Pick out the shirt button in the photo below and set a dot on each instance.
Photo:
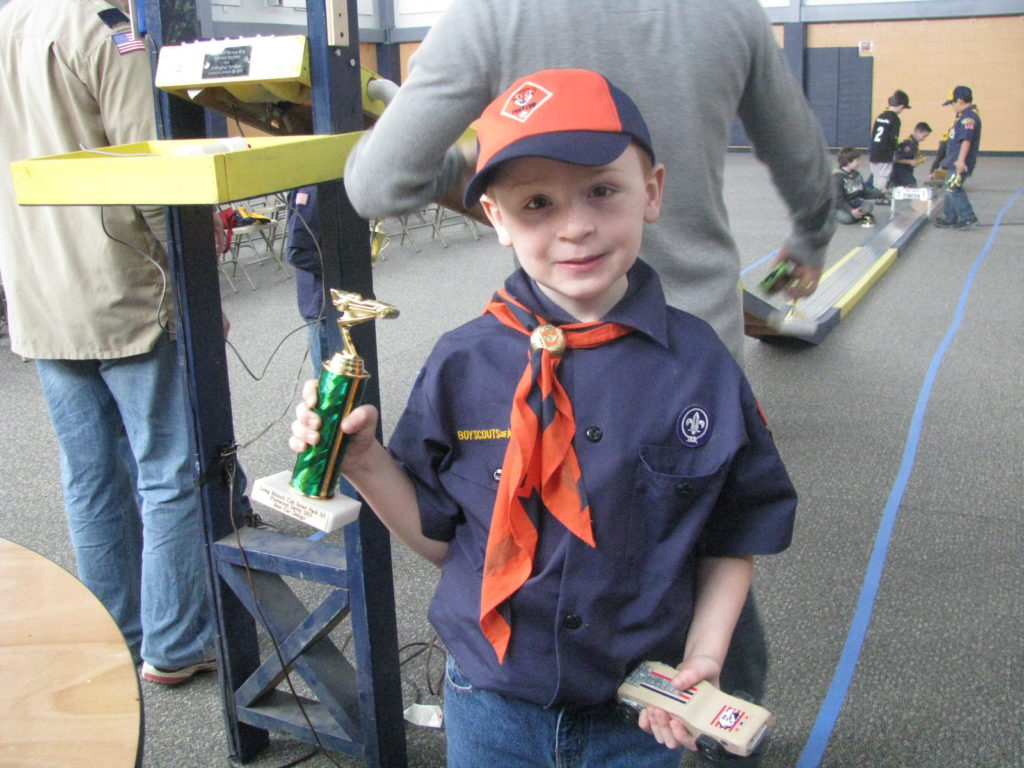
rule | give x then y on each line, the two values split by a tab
683	490
572	621
594	434
497	474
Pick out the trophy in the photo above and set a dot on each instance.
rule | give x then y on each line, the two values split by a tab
308	492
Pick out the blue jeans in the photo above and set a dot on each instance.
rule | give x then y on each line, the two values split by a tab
746	664
324	340
319	344
488	729
956	207
115	421
743	675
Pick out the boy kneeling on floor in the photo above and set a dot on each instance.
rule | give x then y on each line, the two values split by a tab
853	197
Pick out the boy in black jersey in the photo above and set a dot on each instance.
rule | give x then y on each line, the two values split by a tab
885	135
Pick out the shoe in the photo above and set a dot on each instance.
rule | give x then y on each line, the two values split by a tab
944	222
965	223
175	676
867	222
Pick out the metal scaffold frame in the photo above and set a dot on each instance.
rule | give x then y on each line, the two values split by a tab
354	708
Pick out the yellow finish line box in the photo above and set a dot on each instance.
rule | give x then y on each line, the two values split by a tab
252	69
182	171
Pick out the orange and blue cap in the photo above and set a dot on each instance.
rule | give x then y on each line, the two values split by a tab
572	115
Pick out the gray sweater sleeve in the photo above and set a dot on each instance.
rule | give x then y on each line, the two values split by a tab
787	138
389	173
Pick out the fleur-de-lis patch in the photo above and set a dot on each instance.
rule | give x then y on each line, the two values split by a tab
694	427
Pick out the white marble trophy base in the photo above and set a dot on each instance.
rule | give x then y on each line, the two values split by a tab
326	515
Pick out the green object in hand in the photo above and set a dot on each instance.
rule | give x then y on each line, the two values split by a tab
317	468
778	277
339	390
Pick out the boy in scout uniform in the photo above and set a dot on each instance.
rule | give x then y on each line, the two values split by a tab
587	465
961	156
909	156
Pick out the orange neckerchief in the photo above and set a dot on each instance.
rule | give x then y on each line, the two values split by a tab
540	459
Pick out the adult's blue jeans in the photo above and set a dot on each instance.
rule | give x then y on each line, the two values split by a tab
319	344
145	561
746	664
324	340
488	729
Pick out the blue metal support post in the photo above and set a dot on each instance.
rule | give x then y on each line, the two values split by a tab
354	708
194	279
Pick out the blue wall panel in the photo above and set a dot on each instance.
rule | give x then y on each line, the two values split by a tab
823	88
839	92
853	108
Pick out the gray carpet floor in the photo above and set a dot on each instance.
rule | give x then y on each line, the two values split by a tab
938	677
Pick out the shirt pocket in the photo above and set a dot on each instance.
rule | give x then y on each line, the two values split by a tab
674	492
471	480
478	463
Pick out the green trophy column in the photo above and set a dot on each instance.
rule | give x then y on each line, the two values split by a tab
339	390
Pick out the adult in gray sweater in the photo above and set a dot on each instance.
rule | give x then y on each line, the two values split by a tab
691	66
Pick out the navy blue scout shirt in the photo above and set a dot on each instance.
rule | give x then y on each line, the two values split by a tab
302	253
966	127
677	463
903	174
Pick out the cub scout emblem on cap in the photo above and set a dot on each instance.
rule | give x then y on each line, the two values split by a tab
694	427
524	101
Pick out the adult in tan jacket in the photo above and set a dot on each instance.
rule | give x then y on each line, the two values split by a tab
88	299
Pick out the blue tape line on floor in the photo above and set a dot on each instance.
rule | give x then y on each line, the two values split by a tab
821	732
760	261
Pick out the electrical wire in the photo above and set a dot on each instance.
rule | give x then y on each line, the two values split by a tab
231	461
270	359
245	560
293	211
296	385
93	151
230	468
302	365
298	760
428	647
238	123
150	259
230	458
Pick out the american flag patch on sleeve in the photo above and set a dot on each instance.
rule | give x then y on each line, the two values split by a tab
126	42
